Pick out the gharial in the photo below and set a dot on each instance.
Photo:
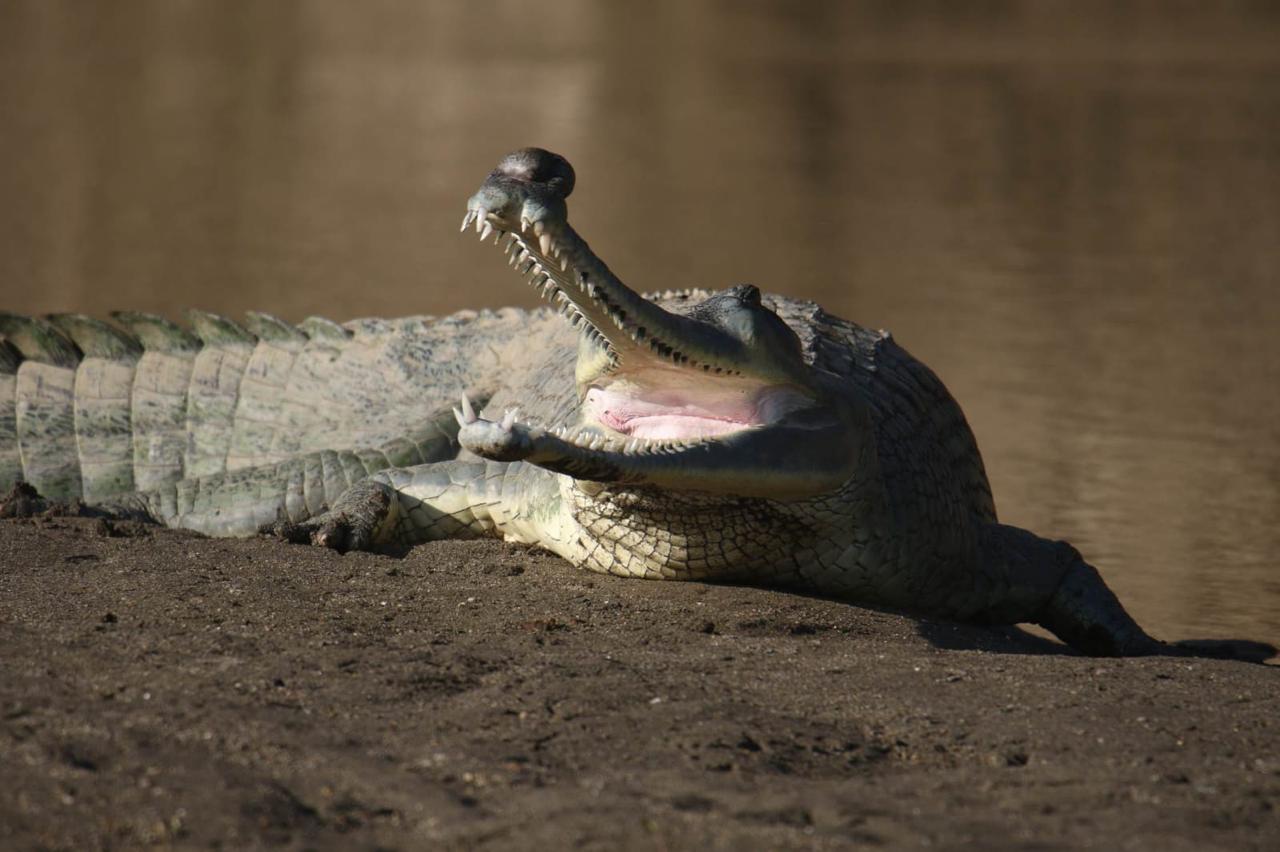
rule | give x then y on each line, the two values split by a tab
712	435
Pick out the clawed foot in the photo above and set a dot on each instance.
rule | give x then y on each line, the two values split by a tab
497	441
22	501
354	523
336	532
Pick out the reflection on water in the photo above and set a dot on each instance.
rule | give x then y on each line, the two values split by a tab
1070	210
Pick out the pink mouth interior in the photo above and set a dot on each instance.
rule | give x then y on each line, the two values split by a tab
671	415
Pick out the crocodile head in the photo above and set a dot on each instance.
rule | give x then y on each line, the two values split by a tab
693	391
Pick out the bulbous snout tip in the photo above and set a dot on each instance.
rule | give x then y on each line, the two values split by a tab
538	166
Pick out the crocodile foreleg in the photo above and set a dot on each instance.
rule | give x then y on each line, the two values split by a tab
240	502
243	501
400	507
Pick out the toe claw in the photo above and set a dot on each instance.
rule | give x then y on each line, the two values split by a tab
290	532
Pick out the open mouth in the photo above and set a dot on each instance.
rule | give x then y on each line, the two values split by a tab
649	390
691	390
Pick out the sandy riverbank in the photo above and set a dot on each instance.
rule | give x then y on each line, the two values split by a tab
160	687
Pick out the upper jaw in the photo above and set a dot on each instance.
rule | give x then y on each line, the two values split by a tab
540	244
520	203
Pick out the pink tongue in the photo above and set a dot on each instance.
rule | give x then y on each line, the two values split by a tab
668	418
666	426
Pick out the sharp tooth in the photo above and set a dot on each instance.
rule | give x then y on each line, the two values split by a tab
525	223
564	262
548	287
467	411
486	231
539	227
458	415
480	219
509	419
468	219
544	243
528	266
512	240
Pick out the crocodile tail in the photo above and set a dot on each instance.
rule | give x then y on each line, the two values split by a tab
10	458
158	398
42	394
91	410
214	398
100	404
1087	615
214	391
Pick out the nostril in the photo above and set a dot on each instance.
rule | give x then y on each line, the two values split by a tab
748	294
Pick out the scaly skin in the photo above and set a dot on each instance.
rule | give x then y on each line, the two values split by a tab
689	435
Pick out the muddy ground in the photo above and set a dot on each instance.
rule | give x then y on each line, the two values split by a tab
160	688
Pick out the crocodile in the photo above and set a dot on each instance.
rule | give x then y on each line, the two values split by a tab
720	436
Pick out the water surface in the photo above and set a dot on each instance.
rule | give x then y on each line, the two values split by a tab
1070	210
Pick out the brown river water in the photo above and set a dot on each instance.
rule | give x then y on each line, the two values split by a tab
1070	210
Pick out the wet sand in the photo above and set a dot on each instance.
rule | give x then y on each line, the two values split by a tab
163	688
